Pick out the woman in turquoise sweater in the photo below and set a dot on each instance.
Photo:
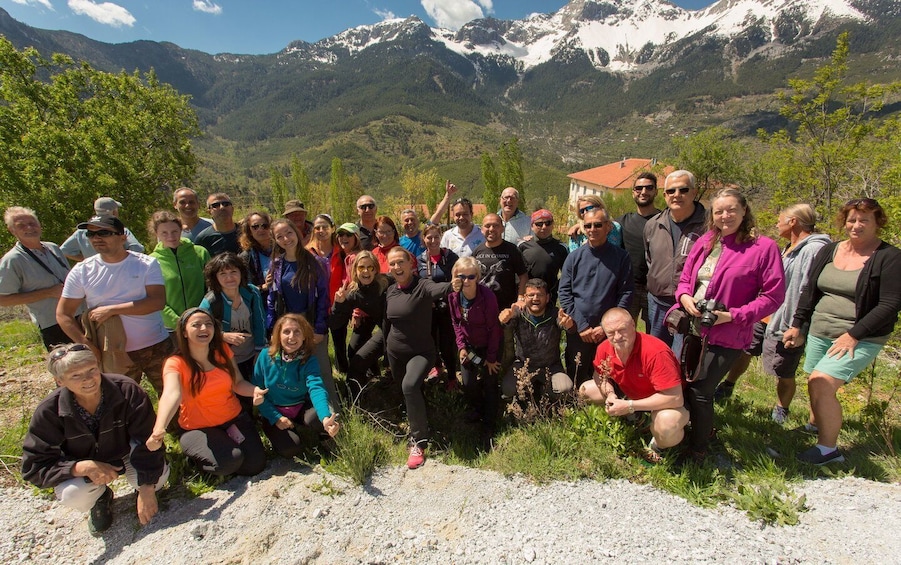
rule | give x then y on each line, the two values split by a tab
182	263
297	403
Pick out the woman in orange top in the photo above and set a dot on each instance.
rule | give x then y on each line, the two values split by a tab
386	234
201	382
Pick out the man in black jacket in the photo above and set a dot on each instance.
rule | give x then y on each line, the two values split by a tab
89	431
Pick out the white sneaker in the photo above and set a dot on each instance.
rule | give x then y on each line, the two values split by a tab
780	414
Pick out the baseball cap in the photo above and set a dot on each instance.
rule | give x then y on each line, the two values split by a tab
293	206
106	205
104	222
349	227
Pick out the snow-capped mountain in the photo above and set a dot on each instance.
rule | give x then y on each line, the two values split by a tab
616	35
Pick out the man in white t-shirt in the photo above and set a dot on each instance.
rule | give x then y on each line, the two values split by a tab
116	282
466	236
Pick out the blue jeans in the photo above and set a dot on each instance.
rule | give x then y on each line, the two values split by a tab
657	308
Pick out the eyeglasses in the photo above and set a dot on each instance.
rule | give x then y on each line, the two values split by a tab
588	208
222	204
467	277
365	268
681	189
259	227
543	224
647	187
101	233
367	206
593	225
61	352
868	202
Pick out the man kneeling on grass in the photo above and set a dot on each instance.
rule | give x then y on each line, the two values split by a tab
89	431
638	372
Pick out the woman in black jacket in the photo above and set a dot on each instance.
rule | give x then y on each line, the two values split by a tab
847	311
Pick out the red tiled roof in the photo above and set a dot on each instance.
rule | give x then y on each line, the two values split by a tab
619	175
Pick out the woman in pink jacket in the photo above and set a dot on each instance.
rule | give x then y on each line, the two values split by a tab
732	279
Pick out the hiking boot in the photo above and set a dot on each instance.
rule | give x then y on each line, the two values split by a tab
814	457
779	415
417	456
723	391
101	515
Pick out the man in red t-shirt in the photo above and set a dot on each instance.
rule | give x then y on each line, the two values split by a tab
642	375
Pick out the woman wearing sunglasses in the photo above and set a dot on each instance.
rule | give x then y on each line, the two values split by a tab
849	309
366	293
474	313
256	248
201	383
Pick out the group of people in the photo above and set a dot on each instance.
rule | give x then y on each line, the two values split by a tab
229	322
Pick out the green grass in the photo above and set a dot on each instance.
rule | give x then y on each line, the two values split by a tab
582	442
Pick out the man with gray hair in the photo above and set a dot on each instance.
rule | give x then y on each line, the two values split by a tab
186	203
411	240
32	273
668	237
78	247
517	225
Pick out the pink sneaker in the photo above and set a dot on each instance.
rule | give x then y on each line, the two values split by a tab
416	458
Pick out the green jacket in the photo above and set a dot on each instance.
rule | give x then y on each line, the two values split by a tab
182	276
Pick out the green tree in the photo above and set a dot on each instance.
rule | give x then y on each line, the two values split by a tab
713	156
418	187
834	121
279	188
70	133
492	193
301	179
511	168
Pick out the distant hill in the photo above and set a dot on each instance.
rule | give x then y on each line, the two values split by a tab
589	84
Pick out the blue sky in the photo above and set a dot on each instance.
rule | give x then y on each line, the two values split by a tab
255	26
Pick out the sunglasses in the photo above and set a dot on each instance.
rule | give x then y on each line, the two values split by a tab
647	187
681	189
587	209
543	224
101	233
217	205
365	268
61	352
594	225
467	277
367	206
259	227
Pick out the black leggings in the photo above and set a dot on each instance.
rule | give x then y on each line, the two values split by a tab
219	454
412	370
445	341
290	442
699	394
480	389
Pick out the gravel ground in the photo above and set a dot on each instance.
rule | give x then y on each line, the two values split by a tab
443	514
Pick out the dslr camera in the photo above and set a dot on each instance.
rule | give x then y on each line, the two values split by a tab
707	307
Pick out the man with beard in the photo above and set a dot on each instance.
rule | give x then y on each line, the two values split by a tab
644	191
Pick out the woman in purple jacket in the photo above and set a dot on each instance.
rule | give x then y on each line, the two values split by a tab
474	313
733	266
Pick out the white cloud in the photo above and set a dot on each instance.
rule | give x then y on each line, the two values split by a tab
103	12
44	3
207	6
454	13
384	14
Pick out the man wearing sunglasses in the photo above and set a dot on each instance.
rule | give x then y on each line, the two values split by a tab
121	284
644	191
366	209
78	248
544	254
669	236
222	236
596	277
